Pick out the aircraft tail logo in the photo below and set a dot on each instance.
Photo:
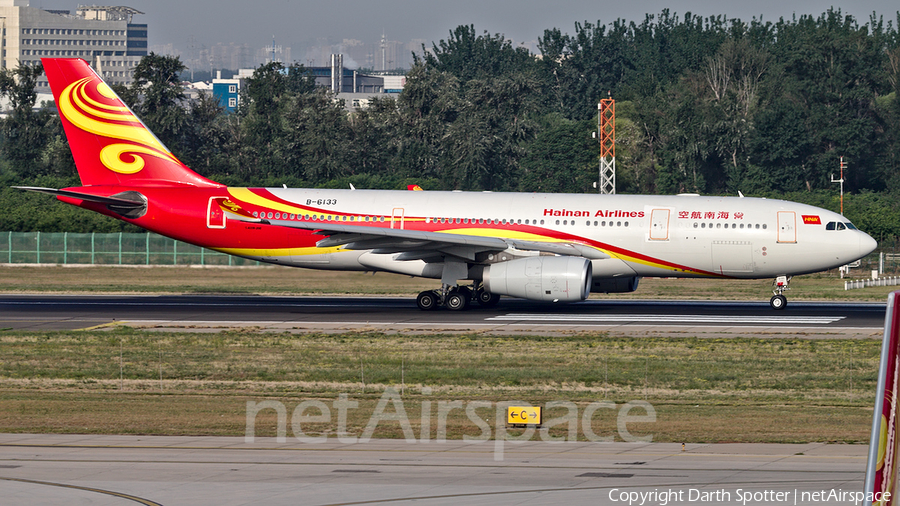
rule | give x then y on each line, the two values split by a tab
111	146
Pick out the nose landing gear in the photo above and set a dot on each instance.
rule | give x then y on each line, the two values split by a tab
781	284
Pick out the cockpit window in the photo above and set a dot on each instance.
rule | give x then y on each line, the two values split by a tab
836	225
850	225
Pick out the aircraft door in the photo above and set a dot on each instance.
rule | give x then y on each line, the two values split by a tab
787	226
397	218
659	225
215	216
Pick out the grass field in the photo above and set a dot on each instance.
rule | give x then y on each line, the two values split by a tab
703	390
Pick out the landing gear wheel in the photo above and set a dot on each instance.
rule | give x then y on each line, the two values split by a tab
487	299
466	291
778	302
456	301
427	300
780	285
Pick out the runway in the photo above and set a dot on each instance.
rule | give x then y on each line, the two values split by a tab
113	470
391	314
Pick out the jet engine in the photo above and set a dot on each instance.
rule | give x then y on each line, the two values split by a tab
545	278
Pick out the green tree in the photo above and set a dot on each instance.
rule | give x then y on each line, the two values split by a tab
734	75
429	103
469	56
561	158
24	133
205	138
834	69
318	137
484	143
159	99
264	150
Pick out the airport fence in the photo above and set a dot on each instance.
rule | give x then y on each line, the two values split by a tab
107	249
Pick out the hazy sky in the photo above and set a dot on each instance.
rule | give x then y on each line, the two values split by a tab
295	22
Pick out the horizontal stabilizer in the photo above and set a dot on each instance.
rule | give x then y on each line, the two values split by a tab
129	204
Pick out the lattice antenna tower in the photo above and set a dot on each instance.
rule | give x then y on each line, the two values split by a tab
606	128
273	50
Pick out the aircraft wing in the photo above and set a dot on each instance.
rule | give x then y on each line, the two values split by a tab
419	244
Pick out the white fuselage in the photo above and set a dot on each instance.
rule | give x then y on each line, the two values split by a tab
679	236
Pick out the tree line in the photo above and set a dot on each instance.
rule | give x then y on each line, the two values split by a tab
703	104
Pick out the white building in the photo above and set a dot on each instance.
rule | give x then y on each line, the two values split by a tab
102	35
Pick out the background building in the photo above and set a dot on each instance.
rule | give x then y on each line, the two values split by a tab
352	86
103	35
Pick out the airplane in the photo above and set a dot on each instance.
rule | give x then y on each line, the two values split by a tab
535	246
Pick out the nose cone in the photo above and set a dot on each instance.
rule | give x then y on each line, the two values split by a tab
866	244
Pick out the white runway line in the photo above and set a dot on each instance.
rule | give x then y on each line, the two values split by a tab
656	318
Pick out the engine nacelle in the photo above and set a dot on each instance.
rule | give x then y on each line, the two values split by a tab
546	278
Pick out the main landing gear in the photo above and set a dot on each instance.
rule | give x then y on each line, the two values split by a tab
456	298
781	283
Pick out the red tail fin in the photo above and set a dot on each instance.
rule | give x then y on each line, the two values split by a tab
110	144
